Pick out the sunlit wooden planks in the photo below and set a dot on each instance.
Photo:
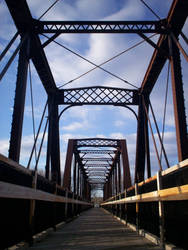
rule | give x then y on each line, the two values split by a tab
169	194
8	190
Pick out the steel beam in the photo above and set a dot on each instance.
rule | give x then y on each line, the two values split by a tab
19	102
125	161
54	140
178	100
100	26
96	159
97	152
68	164
175	22
99	95
140	144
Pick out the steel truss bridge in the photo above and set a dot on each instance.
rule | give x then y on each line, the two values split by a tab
95	163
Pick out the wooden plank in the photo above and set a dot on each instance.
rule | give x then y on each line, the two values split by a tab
174	168
169	194
14	164
8	190
167	171
153	178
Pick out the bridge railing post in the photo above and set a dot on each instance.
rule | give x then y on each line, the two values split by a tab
125	209
137	208
120	208
73	206
66	205
54	209
161	211
32	210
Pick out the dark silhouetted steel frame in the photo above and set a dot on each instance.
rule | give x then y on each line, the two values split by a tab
173	24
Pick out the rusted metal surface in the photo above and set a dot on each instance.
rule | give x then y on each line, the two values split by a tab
104	95
19	103
98	95
178	100
125	160
68	163
176	19
140	144
54	141
24	24
100	26
94	170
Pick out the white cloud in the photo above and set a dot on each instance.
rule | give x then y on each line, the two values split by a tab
74	126
119	123
4	145
117	135
100	136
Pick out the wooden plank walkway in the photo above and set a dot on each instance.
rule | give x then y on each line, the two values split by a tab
94	230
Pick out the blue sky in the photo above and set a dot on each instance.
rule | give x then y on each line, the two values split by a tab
90	121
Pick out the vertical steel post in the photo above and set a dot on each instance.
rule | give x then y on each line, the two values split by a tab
147	147
104	192
80	194
125	161
115	175
74	174
54	140
78	180
47	167
109	188
178	100
68	165
19	102
119	172
140	144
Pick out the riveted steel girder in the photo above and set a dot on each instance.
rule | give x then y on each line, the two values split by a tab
100	26
99	95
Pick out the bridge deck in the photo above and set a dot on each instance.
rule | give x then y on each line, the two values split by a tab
94	229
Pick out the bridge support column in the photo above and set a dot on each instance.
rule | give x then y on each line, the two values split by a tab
19	102
78	180
141	146
74	174
125	161
54	140
48	152
119	173
68	164
178	99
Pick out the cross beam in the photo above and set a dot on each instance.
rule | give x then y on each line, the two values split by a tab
96	159
98	95
96	152
100	26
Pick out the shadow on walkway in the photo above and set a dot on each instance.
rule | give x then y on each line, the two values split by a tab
94	230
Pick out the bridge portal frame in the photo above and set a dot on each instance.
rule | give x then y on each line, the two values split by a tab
173	24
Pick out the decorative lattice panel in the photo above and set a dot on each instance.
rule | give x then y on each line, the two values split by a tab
93	152
97	142
98	95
